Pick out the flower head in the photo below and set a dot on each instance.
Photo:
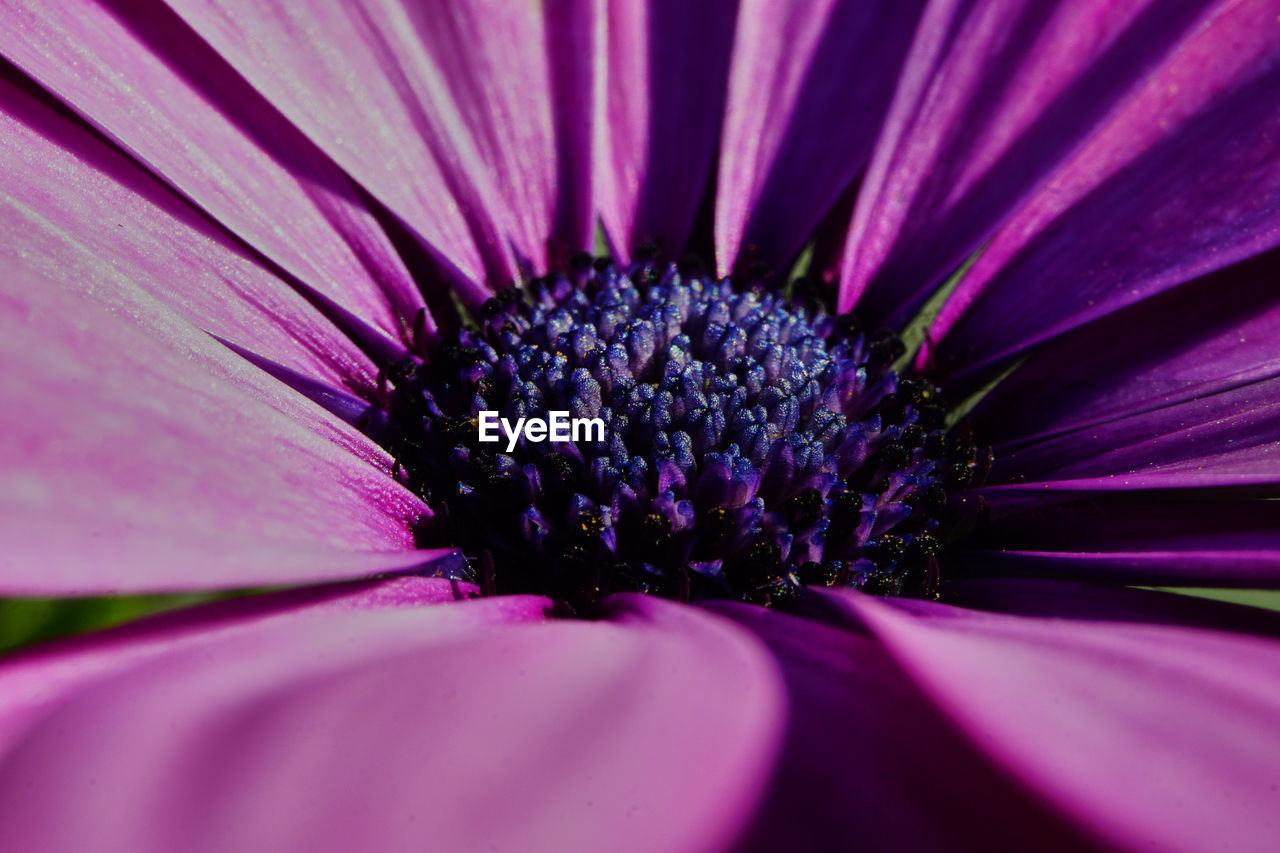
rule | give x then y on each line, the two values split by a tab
989	333
746	447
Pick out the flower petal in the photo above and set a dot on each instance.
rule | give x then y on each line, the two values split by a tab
808	86
1173	393
482	170
1228	438
409	730
668	63
1154	737
1207	337
145	80
482	70
1097	603
992	98
1123	498
869	764
139	454
1144	538
80	213
35	681
575	48
1181	179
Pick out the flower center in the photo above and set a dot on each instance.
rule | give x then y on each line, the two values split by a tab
721	443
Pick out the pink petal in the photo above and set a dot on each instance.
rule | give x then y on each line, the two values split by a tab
1123	537
140	454
1154	737
575	43
144	79
33	682
456	128
1204	338
1228	438
414	729
1098	603
668	63
869	764
80	213
488	62
1181	179
992	98
808	86
1175	392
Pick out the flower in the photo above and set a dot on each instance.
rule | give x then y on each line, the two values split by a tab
241	240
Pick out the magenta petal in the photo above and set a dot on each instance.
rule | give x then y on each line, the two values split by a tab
1119	537
1209	336
808	86
335	72
1099	603
34	681
992	98
1216	564
575	42
145	80
1230	438
668	63
82	214
869	764
140	454
1181	179
1153	737
1212	565
410	730
493	108
1176	391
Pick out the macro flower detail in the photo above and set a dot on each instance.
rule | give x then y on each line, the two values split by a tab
925	338
748	448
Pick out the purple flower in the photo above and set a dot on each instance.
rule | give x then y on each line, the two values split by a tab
258	263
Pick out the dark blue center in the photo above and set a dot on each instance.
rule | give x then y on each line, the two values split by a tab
750	446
